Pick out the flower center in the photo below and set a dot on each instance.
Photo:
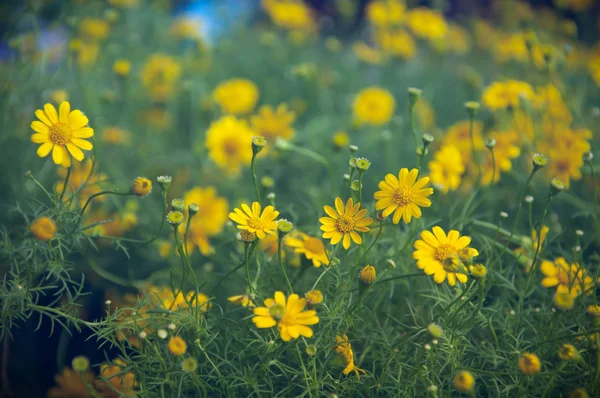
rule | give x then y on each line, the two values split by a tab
562	165
277	311
444	251
230	147
402	196
60	134
345	224
255	223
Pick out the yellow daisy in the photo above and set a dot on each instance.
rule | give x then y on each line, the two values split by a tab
446	169
343	222
252	220
403	195
236	96
210	219
61	133
289	316
273	123
439	255
229	144
568	278
344	348
374	106
312	248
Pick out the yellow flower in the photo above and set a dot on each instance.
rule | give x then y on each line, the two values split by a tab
314	297
229	144
403	195
290	14
374	105
252	220
163	297
501	95
396	43
83	181
61	133
210	219
464	381
312	248
243	299
529	364
159	75
426	23
116	379
289	316
43	228
187	28
124	3
341	140
236	96
368	274
272	124
446	168
69	384
579	392
565	150
59	96
568	352
385	13
568	278
115	136
344	348
94	28
478	271
343	222
177	346
456	40
438	255
506	149
511	47
563	301
141	186
594	310
122	67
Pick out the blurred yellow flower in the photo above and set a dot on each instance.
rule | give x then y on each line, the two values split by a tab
374	105
511	47
229	144
94	28
251	219
464	381
187	28
396	43
116	136
343	222
236	96
290	14
122	67
163	297
59	96
446	168
426	23
272	124
459	136
116	379
141	186
314	297
289	316
312	248
177	346
69	384
210	219
124	3
63	133
529	364
160	74
385	13
501	95
344	348
568	278
437	254
403	195
43	228
242	299
367	54
507	148
456	40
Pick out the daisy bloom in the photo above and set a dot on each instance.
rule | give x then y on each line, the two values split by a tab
61	133
344	348
446	168
177	346
403	195
229	143
43	228
242	299
312	248
529	364
438	254
343	222
252	220
568	278
374	106
289	316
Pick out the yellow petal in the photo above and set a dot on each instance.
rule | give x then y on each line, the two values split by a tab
63	112
50	111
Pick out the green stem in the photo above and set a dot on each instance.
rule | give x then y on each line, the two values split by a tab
40	186
514	229
279	257
412	124
237	267
471	133
254	177
597	372
375	241
89	200
360	178
552	379
247	262
319	278
87	386
304	370
62	194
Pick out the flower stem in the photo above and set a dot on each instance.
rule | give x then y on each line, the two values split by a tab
471	133
279	253
87	386
304	370
514	229
62	194
375	241
254	177
246	261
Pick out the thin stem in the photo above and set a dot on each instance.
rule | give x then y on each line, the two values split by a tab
89	200
62	194
279	252
237	267
514	229
412	124
471	133
597	372
246	261
319	278
40	186
360	178
375	241
87	386
304	370
254	177
185	234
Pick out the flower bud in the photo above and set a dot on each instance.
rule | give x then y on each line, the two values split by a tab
588	157
435	330
311	350
490	143
379	216
353	148
284	227
427	140
352	162
141	186
556	186
539	161
175	218
563	301
189	365
472	107
368	274
362	164
355	185
193	209
247	237
164	182
178	204
413	95
258	143
80	363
